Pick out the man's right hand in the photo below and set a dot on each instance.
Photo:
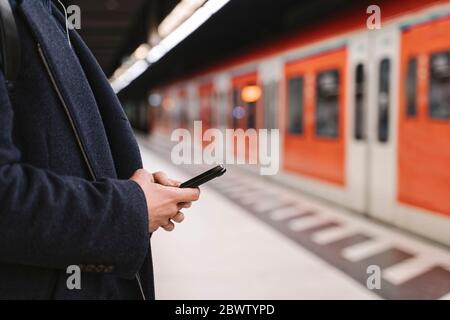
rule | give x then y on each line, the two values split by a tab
163	202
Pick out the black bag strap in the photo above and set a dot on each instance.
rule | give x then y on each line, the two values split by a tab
9	43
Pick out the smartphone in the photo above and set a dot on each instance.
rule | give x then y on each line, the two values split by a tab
204	177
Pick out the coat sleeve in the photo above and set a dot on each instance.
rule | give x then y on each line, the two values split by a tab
53	221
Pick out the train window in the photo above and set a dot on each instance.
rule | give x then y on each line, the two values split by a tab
411	88
222	109
327	103
183	119
251	119
213	113
236	103
439	89
384	99
205	110
360	130
295	120
270	96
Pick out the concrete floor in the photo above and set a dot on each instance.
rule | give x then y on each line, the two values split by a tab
222	252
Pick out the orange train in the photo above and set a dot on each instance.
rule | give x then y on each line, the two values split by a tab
364	115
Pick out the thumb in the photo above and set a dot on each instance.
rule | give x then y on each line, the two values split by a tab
161	178
187	194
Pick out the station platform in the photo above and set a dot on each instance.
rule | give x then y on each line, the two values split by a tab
249	238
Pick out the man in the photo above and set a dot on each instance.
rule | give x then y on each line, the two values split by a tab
72	191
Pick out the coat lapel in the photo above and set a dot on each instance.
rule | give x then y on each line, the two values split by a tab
73	84
117	126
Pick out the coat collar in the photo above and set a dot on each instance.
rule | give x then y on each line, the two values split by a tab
73	84
47	4
115	121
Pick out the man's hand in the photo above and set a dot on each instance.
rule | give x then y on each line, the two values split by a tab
164	199
161	178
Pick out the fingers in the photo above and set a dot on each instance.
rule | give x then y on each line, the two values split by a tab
173	200
178	218
184	205
186	195
176	183
161	178
142	177
169	226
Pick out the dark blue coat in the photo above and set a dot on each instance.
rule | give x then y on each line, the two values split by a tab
66	152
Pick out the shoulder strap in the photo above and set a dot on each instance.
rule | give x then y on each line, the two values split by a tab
9	43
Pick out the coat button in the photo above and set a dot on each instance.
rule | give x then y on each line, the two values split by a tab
89	268
100	268
109	269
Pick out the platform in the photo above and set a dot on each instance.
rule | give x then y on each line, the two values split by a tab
248	238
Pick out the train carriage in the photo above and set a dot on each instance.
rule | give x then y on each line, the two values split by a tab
364	115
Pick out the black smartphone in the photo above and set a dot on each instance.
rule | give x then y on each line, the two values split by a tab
204	177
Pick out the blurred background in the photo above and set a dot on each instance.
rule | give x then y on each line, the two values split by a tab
361	97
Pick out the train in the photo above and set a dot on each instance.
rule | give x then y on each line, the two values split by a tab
364	115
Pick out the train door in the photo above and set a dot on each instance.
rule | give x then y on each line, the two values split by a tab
163	125
193	104
271	73
374	111
183	115
206	92
424	129
222	100
206	96
314	137
382	123
358	149
246	94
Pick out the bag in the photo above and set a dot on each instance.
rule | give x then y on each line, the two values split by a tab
9	44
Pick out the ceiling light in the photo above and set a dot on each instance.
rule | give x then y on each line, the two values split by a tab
168	43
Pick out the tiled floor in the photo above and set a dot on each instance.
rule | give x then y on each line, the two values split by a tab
250	239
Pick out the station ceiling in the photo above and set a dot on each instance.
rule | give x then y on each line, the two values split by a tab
114	28
241	25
